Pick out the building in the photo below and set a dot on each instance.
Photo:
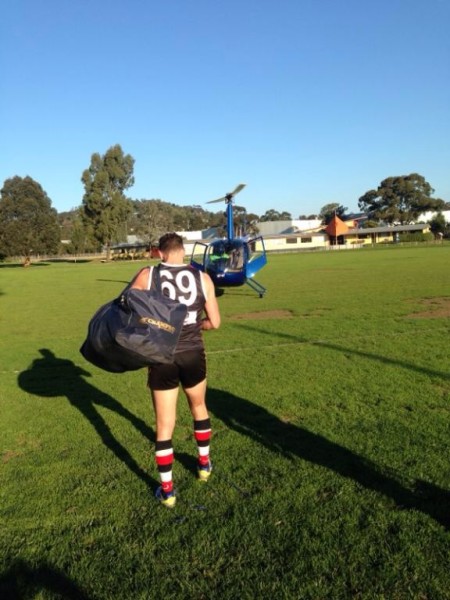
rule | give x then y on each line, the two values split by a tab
427	216
285	236
344	233
291	226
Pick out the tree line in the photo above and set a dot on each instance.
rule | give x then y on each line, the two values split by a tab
29	225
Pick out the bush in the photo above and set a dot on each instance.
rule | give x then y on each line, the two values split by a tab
416	237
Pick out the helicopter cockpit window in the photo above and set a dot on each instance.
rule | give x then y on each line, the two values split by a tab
217	256
226	257
236	260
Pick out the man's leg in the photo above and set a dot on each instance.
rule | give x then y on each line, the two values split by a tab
202	427
165	405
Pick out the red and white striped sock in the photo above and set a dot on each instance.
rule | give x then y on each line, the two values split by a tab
164	463
202	434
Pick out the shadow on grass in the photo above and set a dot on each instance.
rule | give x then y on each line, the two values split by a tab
267	429
20	265
233	289
346	350
75	261
189	461
22	581
51	376
115	281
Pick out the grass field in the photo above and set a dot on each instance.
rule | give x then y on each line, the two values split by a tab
330	405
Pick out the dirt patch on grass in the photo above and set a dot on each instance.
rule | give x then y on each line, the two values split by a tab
266	314
434	308
9	455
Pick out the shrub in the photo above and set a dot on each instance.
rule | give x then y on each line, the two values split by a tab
416	237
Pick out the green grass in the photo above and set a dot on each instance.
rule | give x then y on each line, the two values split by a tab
330	406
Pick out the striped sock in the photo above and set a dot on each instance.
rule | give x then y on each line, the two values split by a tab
164	462
202	434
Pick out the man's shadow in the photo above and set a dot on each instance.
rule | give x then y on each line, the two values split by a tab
287	439
51	376
23	581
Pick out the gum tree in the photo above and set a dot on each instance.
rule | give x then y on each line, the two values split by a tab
400	199
105	205
328	211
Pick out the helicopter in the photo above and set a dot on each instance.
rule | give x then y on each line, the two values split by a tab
231	261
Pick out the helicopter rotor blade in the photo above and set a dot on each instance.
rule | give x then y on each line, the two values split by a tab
237	189
218	200
229	196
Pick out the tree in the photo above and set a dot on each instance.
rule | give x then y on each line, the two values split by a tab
275	215
328	211
400	199
151	218
239	220
438	225
81	237
105	205
251	224
77	232
219	222
191	218
28	223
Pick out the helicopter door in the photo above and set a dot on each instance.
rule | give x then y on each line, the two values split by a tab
257	257
198	255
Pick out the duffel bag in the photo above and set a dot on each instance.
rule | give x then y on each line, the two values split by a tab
140	328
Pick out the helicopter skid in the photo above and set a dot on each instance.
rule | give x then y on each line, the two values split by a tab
257	287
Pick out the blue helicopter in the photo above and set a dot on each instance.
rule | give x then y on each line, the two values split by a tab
231	261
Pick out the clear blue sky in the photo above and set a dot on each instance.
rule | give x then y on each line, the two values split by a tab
306	101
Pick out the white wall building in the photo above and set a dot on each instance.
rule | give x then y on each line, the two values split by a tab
427	216
191	235
291	226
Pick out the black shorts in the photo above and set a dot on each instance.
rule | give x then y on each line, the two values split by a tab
188	368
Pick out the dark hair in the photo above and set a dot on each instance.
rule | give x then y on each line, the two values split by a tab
170	242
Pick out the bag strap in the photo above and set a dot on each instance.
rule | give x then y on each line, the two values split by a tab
157	280
156	276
